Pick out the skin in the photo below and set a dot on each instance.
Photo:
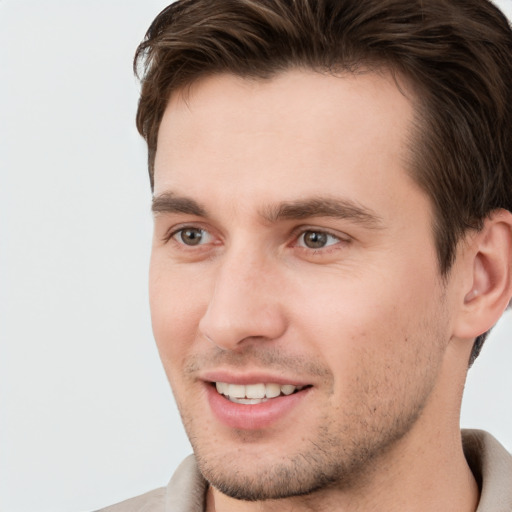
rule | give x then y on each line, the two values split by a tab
365	321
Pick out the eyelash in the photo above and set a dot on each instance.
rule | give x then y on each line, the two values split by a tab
296	235
174	231
301	243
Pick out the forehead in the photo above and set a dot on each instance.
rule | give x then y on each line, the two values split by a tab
294	134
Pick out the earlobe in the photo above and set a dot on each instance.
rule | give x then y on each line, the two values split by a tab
489	280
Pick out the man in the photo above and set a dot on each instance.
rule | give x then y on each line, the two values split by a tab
333	240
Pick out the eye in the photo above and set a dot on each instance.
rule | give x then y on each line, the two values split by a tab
192	236
316	239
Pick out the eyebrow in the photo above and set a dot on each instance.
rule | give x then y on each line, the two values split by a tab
168	202
340	208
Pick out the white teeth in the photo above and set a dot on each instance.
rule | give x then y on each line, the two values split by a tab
287	389
236	390
250	401
254	393
273	390
222	388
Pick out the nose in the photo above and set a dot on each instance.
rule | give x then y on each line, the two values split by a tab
244	304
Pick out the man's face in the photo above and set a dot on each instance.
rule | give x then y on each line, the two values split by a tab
293	264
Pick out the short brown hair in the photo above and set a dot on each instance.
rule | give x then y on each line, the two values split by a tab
456	53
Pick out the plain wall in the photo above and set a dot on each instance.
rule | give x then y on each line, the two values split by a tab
86	416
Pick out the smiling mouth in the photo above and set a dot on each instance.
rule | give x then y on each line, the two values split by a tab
252	394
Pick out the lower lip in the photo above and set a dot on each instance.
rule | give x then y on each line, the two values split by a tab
252	416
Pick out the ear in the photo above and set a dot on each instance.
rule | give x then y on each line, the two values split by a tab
487	283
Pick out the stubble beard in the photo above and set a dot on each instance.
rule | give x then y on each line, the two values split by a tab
327	458
343	450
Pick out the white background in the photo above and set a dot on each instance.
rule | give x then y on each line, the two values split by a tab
86	416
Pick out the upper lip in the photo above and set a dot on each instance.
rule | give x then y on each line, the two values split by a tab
249	377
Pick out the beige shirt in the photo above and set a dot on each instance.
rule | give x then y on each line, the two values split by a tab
490	462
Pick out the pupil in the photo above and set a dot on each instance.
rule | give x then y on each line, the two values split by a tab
315	240
191	236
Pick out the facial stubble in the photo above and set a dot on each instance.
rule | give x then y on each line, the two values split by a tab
340	452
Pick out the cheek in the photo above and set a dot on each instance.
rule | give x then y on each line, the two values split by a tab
379	326
176	309
346	310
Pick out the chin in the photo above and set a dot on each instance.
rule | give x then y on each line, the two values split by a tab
277	481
